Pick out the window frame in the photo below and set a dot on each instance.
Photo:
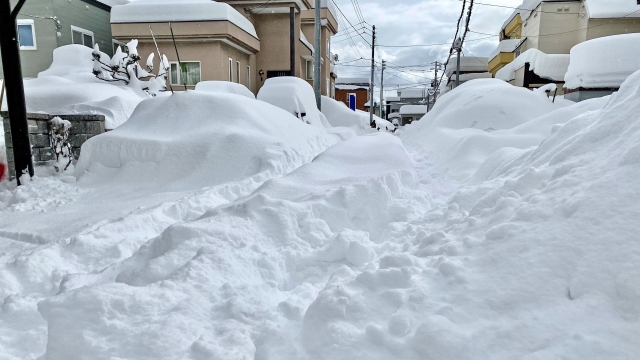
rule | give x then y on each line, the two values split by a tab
122	45
180	77
230	70
238	72
328	48
249	77
31	23
306	72
83	32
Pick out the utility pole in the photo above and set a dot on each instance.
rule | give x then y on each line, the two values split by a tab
373	65
384	66
436	83
457	46
317	83
12	68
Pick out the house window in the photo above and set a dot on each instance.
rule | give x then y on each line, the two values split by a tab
238	72
190	74
81	36
249	76
328	83
309	70
117	44
26	34
230	69
328	48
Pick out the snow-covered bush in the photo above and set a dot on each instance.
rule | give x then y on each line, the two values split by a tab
126	68
59	139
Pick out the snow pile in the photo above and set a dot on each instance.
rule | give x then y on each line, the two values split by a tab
197	139
295	96
338	114
604	62
157	11
237	283
603	9
458	133
224	87
69	87
547	66
505	46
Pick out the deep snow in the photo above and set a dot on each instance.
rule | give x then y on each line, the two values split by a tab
500	226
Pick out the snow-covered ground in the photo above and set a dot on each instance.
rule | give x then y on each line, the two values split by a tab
215	226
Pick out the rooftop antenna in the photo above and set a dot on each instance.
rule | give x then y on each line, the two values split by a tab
178	55
160	57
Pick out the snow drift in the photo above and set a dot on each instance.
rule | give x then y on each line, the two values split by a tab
458	133
295	96
197	139
224	87
69	87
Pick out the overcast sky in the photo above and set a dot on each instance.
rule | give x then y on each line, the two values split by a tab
414	22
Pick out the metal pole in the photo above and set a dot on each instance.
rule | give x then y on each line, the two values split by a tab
184	82
292	40
15	91
384	66
457	45
373	65
436	85
317	84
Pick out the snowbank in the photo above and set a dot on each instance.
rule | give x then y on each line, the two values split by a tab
295	96
198	139
237	283
457	132
150	11
547	66
224	87
69	87
604	62
338	114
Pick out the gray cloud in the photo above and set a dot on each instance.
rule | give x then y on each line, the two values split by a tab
415	22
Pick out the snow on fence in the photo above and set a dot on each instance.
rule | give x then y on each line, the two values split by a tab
83	127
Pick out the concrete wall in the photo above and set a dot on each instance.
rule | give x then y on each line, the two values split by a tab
606	27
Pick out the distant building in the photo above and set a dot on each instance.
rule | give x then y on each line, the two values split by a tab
242	41
471	67
44	25
553	27
411	113
356	89
414	96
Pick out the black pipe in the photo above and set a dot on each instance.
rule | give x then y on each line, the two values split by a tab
12	68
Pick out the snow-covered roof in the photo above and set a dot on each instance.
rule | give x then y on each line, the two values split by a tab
528	6
603	9
505	46
468	64
413	109
353	81
144	11
352	87
303	39
392	98
603	62
547	66
412	93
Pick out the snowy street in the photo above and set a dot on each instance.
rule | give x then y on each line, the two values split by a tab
249	203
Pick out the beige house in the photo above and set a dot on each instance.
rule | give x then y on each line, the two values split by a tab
554	27
243	41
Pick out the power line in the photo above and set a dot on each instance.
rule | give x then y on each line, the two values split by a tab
525	9
343	15
437	44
